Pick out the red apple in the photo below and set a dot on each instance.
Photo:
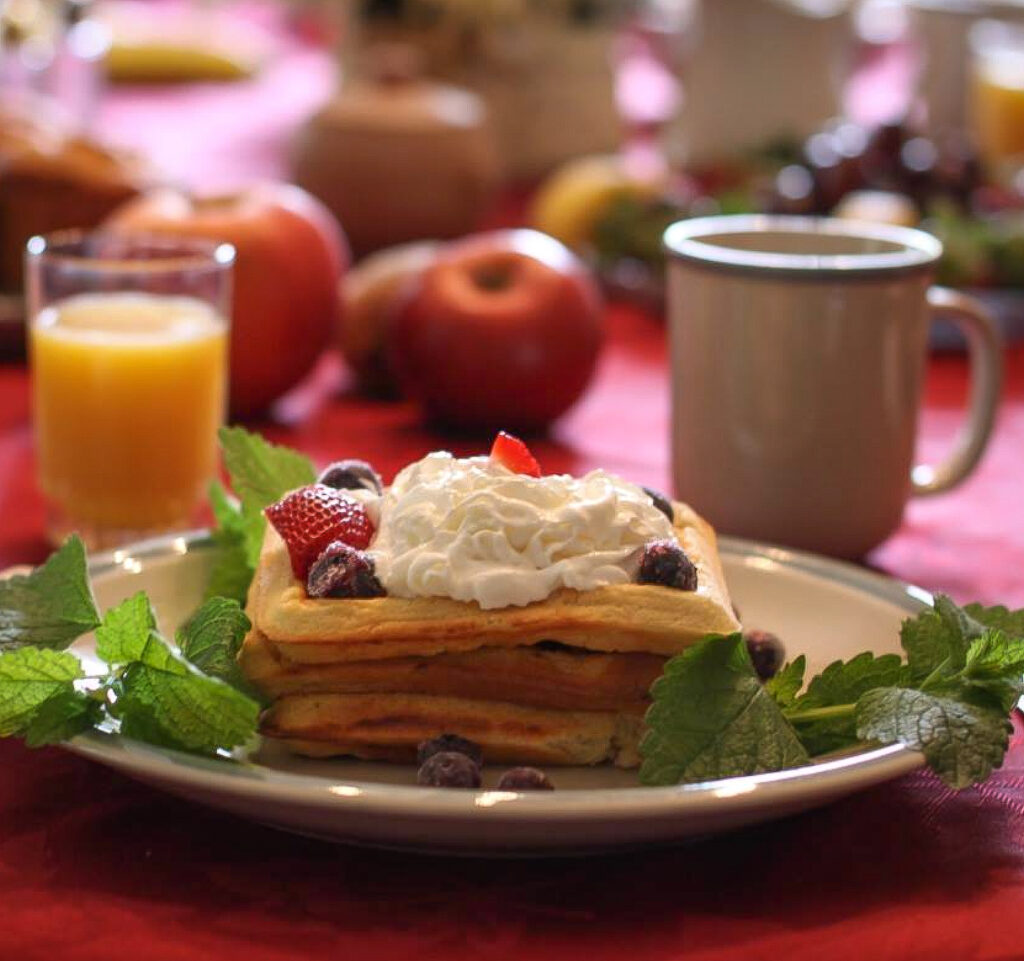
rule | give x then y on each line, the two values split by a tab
502	330
369	293
290	255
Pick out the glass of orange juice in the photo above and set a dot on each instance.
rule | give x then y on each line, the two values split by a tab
128	342
997	98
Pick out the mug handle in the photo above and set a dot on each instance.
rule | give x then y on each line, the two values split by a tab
984	344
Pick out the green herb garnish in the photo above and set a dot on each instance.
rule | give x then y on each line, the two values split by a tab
53	603
950	699
711	718
261	473
150	690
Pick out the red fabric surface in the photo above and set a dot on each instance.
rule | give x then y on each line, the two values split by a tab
94	867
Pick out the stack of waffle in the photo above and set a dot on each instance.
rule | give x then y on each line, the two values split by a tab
560	681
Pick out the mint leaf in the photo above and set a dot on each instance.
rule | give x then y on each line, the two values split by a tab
261	473
1007	621
201	713
925	640
29	677
50	607
125	630
211	638
993	655
961	627
227	512
163	699
842	682
160	691
231	573
785	685
962	743
938	639
993	673
711	718
140	724
61	717
839	685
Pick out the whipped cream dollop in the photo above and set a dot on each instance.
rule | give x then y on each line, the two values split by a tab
472	530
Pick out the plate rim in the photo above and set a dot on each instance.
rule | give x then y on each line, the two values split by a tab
254	781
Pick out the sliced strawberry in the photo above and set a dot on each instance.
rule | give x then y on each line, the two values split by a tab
512	453
312	517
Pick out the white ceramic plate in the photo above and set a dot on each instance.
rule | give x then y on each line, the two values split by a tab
822	608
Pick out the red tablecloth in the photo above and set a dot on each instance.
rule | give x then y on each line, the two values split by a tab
96	868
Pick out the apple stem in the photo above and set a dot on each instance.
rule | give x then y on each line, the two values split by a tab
493	279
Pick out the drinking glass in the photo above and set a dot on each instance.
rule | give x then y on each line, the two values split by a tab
128	343
997	98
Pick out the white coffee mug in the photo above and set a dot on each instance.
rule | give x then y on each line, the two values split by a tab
798	349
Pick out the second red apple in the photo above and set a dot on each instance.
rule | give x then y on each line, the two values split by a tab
502	330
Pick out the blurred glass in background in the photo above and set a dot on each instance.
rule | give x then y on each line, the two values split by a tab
997	99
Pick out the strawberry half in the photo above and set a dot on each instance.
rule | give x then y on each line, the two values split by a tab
512	453
312	517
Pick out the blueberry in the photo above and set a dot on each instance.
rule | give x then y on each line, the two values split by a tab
766	651
450	743
449	769
665	563
351	475
661	502
343	571
524	779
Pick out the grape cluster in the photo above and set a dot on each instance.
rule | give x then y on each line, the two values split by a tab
894	157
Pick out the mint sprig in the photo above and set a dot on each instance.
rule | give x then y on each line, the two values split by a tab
964	672
157	691
261	473
152	691
193	698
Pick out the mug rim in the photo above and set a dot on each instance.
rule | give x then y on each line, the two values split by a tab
683	240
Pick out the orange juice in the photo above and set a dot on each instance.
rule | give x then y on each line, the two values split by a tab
998	110
129	390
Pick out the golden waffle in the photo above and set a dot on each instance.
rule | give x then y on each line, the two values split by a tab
619	618
568	679
390	726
